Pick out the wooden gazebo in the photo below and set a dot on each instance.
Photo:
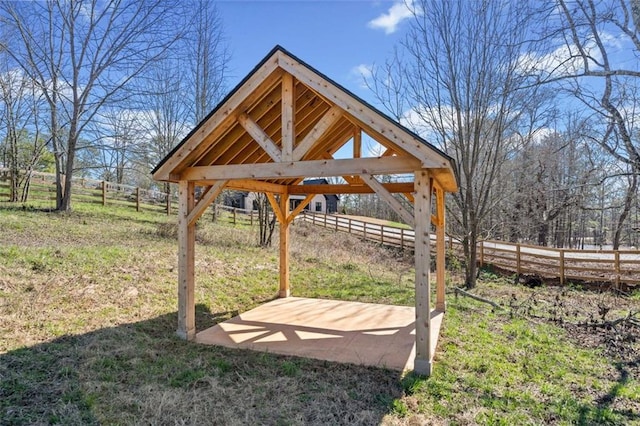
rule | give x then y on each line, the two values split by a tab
284	122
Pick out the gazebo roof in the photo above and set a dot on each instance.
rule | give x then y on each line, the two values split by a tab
318	116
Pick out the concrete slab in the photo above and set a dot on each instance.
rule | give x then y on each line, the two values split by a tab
332	330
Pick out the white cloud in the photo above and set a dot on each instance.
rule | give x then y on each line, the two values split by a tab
397	13
362	73
566	60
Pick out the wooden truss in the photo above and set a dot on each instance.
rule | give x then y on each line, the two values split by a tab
284	122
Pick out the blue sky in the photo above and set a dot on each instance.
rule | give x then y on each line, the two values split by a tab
334	37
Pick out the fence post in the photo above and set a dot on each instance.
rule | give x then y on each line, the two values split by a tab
402	238
325	220
313	219
518	259
561	267
234	215
251	218
617	268
137	199
336	217
168	203
349	224
481	253
104	192
381	234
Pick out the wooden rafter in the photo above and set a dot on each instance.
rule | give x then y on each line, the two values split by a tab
389	199
327	120
261	137
192	148
361	112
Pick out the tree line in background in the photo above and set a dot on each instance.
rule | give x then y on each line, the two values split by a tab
103	88
537	102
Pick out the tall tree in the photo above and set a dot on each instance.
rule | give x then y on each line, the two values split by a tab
208	57
594	31
83	54
463	74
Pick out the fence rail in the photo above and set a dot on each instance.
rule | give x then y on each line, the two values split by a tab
618	267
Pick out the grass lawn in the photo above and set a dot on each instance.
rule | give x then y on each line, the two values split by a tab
88	317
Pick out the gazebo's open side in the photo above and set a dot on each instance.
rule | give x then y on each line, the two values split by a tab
284	122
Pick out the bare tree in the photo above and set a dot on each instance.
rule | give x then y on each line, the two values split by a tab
593	31
463	73
208	56
22	145
266	220
83	54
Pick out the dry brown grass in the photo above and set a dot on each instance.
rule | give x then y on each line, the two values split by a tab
87	321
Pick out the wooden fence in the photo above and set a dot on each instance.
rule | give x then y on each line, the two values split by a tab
92	191
42	189
618	267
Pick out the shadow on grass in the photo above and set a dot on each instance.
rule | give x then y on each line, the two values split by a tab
141	372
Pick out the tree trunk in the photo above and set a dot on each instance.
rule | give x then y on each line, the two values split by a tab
470	248
631	192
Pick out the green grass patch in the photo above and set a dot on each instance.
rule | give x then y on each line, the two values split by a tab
88	312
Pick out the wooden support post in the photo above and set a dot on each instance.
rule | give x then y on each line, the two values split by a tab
104	193
422	221
285	291
440	252
481	253
137	199
518	258
251	218
168	203
234	215
364	230
561	265
402	238
349	222
357	143
617	268
288	130
381	234
186	262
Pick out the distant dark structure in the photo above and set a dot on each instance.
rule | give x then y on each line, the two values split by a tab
321	203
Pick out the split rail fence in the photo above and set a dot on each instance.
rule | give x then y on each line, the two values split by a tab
617	267
42	190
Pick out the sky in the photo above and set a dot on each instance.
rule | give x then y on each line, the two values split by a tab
335	37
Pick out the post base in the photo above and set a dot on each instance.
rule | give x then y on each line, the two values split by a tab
422	367
442	307
186	334
284	293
